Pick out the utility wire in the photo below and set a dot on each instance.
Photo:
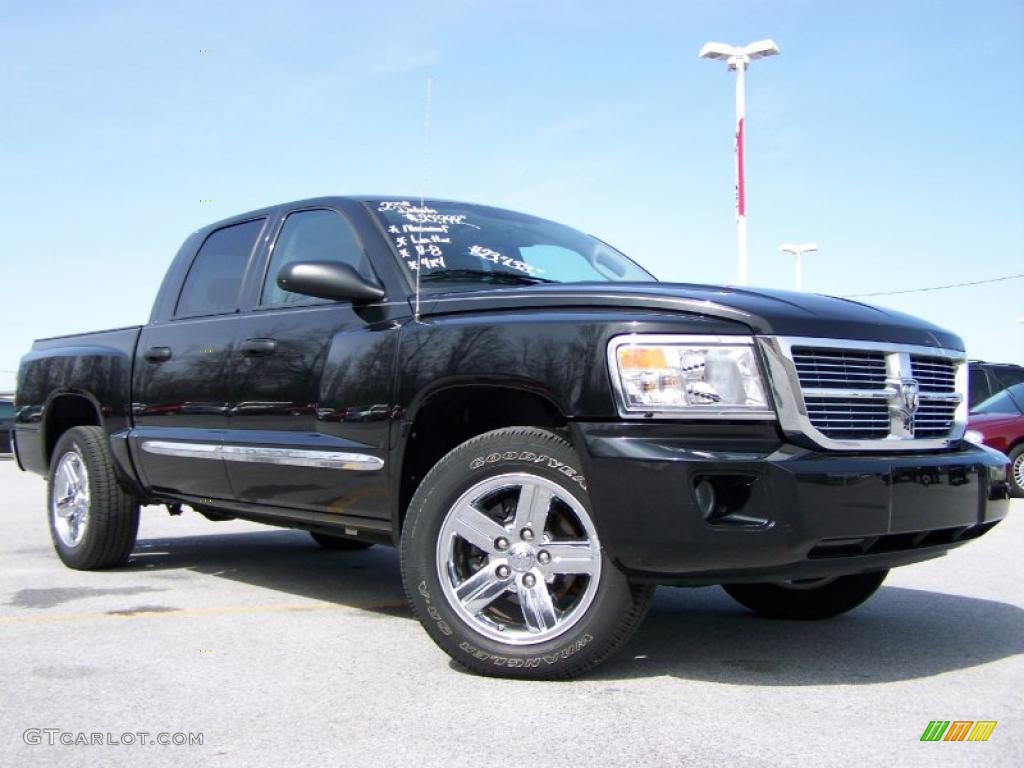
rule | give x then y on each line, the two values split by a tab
935	287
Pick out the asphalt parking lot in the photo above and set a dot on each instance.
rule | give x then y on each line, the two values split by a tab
278	652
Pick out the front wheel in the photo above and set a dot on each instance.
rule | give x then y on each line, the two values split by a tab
808	598
502	563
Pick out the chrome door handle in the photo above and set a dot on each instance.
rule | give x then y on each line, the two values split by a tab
258	347
157	354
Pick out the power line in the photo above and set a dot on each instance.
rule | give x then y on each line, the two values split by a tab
935	287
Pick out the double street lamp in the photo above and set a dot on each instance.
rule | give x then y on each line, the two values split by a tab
798	251
738	58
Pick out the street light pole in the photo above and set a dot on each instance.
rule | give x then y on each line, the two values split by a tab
741	177
798	251
738	58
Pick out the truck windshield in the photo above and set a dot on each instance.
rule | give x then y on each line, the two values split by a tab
451	242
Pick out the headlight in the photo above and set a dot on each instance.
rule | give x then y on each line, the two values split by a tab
688	376
974	436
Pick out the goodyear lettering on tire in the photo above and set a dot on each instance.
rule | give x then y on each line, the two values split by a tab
532	458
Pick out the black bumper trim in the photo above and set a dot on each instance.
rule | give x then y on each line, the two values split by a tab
808	513
898	542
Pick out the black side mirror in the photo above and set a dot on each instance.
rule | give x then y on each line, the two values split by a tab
328	280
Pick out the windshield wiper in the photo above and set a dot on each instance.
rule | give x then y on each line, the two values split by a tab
485	276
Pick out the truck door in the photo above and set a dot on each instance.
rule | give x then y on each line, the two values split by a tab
181	383
312	384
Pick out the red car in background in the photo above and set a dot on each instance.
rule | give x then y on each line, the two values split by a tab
998	422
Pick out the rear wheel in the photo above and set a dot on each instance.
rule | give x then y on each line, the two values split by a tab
93	522
1017	472
339	542
502	563
808	598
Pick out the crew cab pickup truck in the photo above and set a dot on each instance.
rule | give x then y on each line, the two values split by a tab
543	429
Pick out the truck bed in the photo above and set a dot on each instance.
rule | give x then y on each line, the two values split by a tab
97	363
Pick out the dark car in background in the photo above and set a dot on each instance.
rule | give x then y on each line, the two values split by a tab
986	379
998	422
6	425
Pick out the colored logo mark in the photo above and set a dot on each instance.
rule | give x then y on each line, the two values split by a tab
958	730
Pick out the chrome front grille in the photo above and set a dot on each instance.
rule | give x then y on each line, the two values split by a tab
868	395
839	368
934	419
933	374
849	418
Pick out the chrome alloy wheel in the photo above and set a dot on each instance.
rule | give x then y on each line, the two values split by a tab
1018	471
518	559
70	506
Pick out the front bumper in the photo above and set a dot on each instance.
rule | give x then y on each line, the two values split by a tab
781	511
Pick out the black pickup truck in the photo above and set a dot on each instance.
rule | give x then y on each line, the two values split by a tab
543	429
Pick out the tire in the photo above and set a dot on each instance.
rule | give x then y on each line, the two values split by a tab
339	543
1017	472
803	600
548	604
93	522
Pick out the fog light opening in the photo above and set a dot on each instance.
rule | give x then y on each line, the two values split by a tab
725	501
707	499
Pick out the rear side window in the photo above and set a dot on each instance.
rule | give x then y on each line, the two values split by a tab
1007	375
318	235
1002	402
214	280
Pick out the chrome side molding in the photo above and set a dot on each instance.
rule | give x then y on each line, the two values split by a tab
296	457
182	450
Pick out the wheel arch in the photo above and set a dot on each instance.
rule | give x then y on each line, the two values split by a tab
65	410
1015	443
449	415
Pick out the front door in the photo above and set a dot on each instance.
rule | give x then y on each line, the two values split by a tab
311	385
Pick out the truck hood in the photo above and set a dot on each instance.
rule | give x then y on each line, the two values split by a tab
763	311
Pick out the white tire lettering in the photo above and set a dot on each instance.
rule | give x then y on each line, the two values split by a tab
533	458
527	663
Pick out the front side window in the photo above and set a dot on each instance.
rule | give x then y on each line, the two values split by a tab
318	235
452	242
215	277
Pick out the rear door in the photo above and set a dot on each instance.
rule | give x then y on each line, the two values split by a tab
312	383
181	384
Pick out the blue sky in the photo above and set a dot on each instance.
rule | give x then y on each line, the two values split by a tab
888	132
